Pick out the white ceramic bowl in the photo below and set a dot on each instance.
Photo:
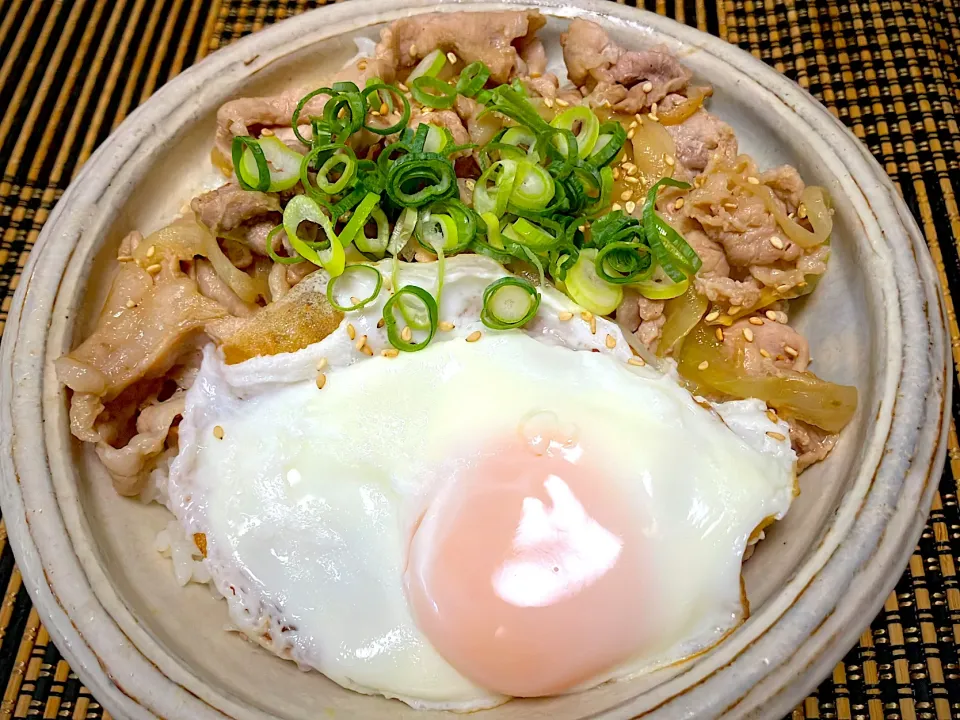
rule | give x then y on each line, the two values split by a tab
147	648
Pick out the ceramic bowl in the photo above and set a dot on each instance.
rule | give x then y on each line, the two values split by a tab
147	648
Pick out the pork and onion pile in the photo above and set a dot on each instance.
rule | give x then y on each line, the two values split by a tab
618	187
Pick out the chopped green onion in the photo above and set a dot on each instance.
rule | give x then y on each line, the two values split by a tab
670	250
437	139
359	218
524	139
437	231
271	251
502	174
283	164
508	303
295	120
433	93
430	66
374	247
624	262
328	254
588	289
532	236
241	142
388	91
343	160
609	144
402	230
589	127
419	178
349	273
472	79
493	229
533	189
390	320
345	112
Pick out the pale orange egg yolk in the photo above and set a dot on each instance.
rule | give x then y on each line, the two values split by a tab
532	580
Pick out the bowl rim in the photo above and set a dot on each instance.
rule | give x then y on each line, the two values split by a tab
862	553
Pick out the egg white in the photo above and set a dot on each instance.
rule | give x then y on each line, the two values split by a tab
309	500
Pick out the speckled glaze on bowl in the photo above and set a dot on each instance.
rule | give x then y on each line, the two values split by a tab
149	649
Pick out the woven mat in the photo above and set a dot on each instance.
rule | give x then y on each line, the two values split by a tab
71	71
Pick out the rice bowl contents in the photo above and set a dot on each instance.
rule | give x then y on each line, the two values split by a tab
460	358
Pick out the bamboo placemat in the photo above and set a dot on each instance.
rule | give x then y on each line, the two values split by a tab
71	71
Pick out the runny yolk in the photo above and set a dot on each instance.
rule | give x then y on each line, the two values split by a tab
532	578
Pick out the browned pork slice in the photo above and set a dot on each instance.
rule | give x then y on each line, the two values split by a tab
481	129
767	345
492	38
810	443
701	137
641	316
630	81
228	206
243	115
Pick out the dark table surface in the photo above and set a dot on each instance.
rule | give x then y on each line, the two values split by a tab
71	71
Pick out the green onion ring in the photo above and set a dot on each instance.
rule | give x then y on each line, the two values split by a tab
670	250
359	218
353	270
395	92
503	175
626	259
277	258
390	320
534	187
589	127
375	247
503	301
433	93
402	230
434	172
609	144
294	122
472	79
263	170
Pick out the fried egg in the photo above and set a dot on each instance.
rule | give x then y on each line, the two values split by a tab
521	515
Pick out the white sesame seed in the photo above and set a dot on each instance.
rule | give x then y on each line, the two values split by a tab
756	321
630	134
445	326
632	125
471	184
151	251
647	86
669	159
131	304
772	416
616	206
267	132
321	381
679	203
351	331
748	334
153	269
384	108
375	113
354	299
564	316
451	57
802	212
586	316
637	362
639	118
711	316
381	322
390	352
562	103
124	258
764	353
632	180
790	351
626	194
362	65
771	315
218	432
611	342
703	366
406	334
782	288
730	205
776	242
752	180
719	334
402	87
653	116
321	364
361	341
367	350
548	102
413	51
474	336
780	437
